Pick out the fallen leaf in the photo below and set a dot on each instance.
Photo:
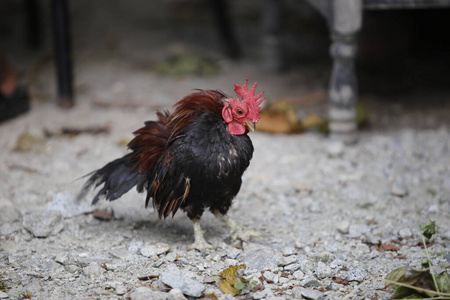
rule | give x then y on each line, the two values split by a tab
22	168
362	115
26	142
239	285
106	214
387	247
72	131
428	229
227	288
432	192
229	274
279	117
181	65
212	296
229	280
123	141
443	282
414	284
341	280
125	105
312	121
148	277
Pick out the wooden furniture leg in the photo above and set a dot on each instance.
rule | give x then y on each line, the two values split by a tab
344	21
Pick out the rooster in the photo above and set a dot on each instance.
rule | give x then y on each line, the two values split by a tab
191	159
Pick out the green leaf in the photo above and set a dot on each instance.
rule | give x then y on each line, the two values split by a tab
409	281
425	262
239	285
432	192
3	286
397	274
443	282
428	229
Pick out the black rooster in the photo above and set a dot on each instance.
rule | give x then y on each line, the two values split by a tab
192	158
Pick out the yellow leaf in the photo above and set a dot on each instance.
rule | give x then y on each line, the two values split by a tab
26	142
230	274
212	296
123	141
312	121
227	288
227	284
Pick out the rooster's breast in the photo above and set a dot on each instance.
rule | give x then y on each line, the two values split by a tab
213	159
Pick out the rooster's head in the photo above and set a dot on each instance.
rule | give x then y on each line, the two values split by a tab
241	113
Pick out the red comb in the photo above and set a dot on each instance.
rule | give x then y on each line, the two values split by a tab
249	95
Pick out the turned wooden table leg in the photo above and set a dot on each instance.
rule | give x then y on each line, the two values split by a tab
343	90
344	22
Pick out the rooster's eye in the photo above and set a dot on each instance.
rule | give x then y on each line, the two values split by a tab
239	111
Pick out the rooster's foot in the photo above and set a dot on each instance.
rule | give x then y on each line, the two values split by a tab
200	243
237	232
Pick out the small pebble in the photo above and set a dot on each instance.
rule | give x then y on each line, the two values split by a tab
118	287
357	230
263	259
312	294
302	293
122	253
323	271
355	275
405	233
189	287
176	294
298	275
343	226
335	148
149	250
145	293
135	246
93	269
270	277
399	188
43	224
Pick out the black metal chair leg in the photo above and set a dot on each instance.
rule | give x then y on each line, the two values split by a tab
225	27
63	55
33	23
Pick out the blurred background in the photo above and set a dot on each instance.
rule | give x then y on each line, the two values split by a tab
150	53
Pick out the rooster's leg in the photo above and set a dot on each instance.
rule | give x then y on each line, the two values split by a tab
237	232
200	243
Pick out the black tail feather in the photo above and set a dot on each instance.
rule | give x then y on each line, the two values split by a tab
116	177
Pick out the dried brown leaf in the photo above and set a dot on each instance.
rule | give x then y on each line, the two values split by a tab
387	247
73	131
103	214
341	280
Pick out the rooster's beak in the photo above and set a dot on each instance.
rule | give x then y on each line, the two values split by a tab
250	125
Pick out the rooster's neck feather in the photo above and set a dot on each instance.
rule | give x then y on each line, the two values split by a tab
191	106
151	140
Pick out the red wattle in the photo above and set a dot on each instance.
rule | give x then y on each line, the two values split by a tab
236	128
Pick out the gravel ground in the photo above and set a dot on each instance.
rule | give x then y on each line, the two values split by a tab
324	210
